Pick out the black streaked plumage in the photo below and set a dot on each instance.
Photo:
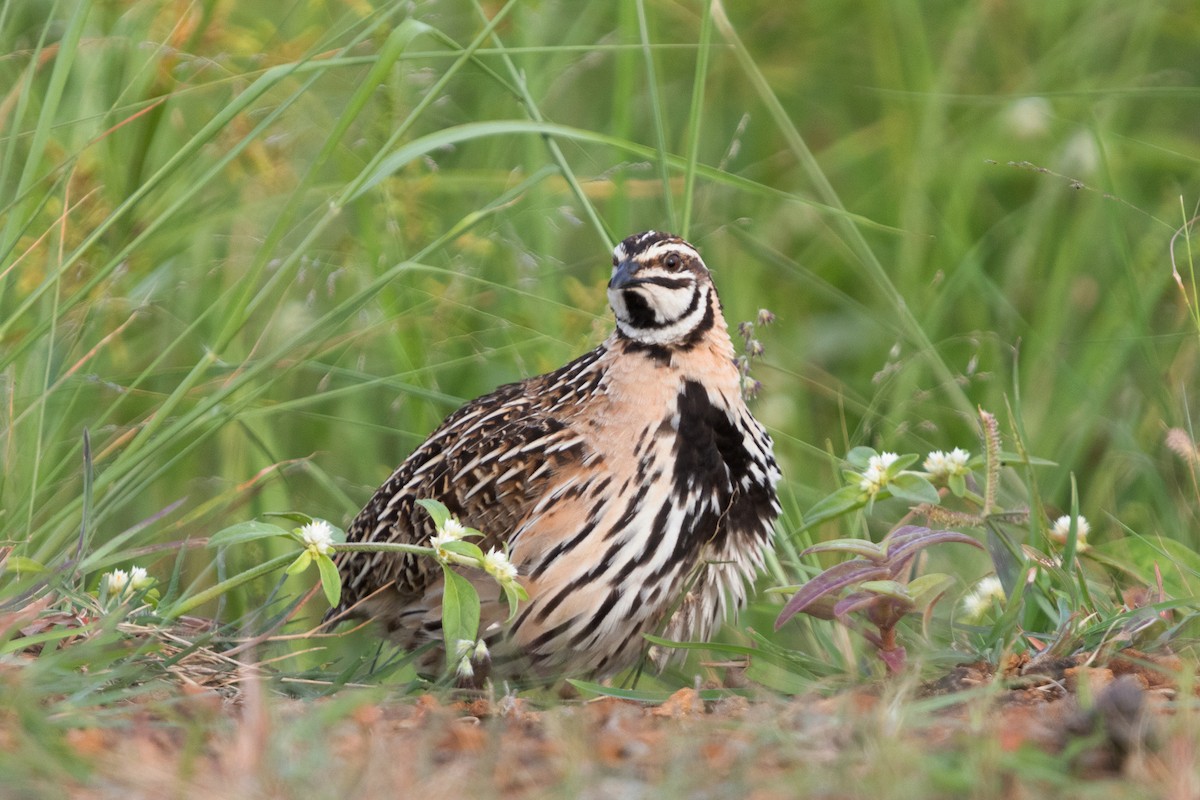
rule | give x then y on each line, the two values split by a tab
618	481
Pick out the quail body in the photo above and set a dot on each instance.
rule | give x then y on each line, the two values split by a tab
633	488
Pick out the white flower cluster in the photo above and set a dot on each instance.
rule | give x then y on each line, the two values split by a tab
875	476
318	537
452	531
1061	529
987	592
496	564
944	465
469	654
119	582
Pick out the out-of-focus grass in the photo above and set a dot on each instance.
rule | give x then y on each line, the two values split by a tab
258	255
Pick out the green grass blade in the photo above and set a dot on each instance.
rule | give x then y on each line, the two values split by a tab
696	119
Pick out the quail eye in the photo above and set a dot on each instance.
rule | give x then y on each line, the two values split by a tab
614	261
672	261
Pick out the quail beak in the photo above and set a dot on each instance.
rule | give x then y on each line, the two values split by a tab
623	275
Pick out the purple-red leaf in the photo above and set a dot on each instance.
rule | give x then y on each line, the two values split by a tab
855	547
834	579
903	543
904	533
856	601
822	608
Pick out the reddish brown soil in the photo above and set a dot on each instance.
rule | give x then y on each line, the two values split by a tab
1099	723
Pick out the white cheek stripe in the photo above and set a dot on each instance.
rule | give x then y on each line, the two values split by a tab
668	333
672	303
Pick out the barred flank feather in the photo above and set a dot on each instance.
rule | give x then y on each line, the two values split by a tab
620	481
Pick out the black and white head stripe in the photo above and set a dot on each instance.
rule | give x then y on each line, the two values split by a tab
660	290
643	246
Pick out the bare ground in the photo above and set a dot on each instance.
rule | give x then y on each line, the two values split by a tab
1031	728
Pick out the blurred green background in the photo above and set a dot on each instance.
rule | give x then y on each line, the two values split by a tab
259	250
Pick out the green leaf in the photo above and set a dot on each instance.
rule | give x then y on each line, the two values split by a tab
514	593
928	588
843	501
1008	627
301	563
887	588
860	457
462	548
460	612
779	678
298	517
958	485
1137	555
245	532
1007	557
54	634
902	462
1016	458
23	564
436	510
331	581
851	478
186	604
913	488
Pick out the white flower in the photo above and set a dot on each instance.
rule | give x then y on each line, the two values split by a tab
875	476
496	564
463	648
883	460
438	542
944	465
872	480
120	583
452	531
139	578
1062	529
462	653
318	537
469	653
987	592
990	587
116	582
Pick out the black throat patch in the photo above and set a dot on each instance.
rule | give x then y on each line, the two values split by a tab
709	453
